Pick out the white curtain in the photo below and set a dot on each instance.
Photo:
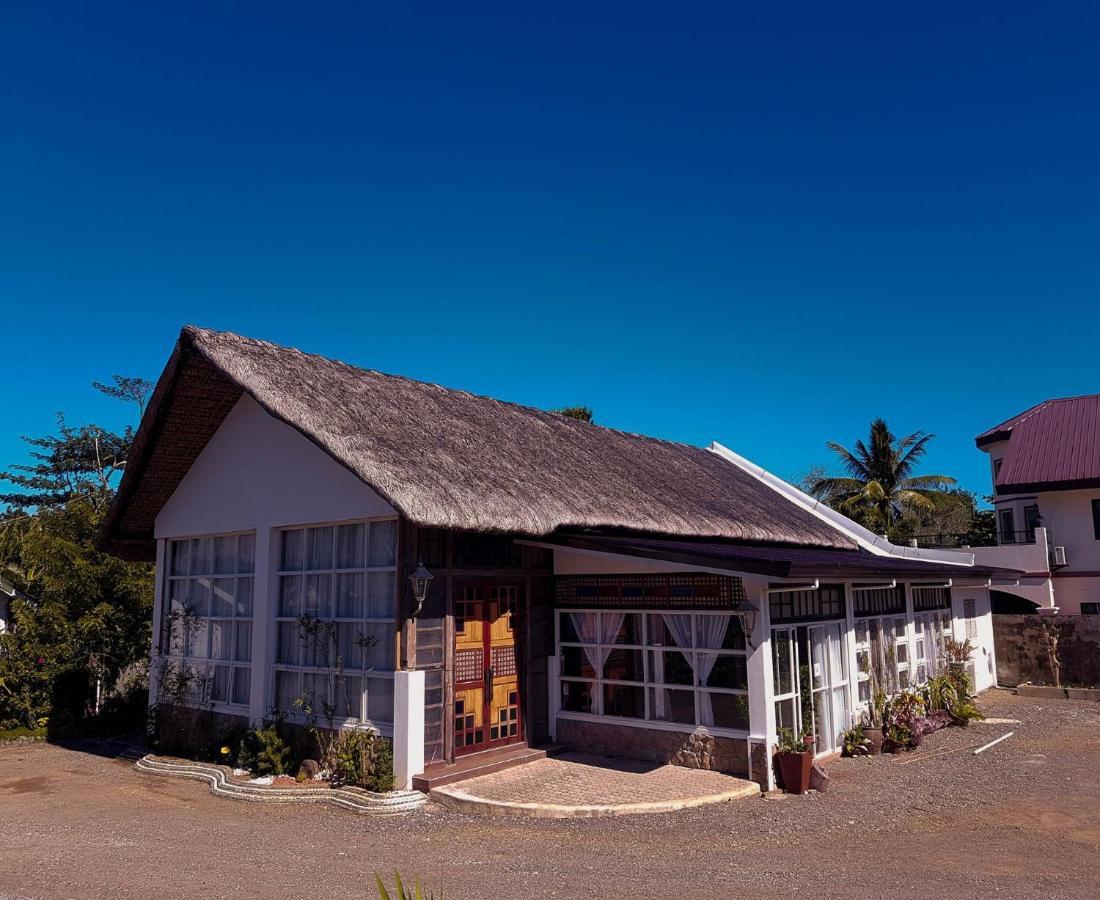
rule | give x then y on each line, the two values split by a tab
712	634
586	625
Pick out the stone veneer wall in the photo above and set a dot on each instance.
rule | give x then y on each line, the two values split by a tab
1021	654
694	750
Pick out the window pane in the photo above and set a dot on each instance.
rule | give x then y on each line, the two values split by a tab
627	701
782	663
380	651
349	638
225	555
669	705
242	679
383	543
381	601
315	690
244	597
244	642
224	604
222	640
787	715
246	553
577	696
198	638
319	645
319	554
350	546
349	697
729	710
293	557
719	632
622	628
380	699
201	553
290	595
670	630
350	594
199	600
728	671
575	663
623	665
579	627
671	667
286	690
288	648
318	596
179	558
219	687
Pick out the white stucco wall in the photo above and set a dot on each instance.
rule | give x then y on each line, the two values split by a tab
258	471
3	614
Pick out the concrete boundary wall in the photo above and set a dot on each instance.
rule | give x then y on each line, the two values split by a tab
1021	653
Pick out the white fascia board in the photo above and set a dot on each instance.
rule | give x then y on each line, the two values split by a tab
866	539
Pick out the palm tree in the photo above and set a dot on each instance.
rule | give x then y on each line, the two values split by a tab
880	477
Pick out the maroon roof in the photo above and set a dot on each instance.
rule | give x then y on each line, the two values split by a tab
1052	446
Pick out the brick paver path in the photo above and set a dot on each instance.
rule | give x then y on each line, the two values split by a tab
577	779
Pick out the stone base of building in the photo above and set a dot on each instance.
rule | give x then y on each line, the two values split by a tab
694	749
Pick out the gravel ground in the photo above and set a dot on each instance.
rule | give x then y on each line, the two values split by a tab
1020	820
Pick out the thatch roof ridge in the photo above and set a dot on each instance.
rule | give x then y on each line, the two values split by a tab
447	458
198	332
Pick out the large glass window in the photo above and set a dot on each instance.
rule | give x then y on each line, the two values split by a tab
686	668
335	621
206	622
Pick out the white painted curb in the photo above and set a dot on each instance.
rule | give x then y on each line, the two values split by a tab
221	785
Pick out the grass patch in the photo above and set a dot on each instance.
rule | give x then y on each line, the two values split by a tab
22	733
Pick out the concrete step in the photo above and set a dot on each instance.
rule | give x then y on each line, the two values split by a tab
485	763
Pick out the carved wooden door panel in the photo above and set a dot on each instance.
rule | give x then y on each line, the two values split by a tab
487	712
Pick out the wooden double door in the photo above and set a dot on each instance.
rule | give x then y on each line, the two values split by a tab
488	711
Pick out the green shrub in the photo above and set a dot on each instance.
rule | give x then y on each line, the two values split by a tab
360	758
264	752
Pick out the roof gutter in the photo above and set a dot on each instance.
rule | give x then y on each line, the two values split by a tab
873	543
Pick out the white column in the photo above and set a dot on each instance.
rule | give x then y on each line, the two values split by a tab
408	727
263	623
159	580
761	685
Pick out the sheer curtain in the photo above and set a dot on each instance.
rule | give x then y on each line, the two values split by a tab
679	627
586	625
712	634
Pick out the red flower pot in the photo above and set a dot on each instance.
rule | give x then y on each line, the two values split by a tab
795	769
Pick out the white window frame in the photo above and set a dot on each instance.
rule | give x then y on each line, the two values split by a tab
647	683
387	627
204	666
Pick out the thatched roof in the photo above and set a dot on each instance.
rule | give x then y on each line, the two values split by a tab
445	458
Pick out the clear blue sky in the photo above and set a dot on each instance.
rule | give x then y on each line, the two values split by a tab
763	224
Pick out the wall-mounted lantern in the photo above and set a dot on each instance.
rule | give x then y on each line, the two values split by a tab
420	580
746	615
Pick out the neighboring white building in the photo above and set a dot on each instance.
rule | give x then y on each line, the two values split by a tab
1045	468
622	594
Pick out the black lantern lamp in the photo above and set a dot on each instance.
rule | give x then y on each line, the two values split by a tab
420	580
746	615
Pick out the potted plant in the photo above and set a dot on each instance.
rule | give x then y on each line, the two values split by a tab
796	761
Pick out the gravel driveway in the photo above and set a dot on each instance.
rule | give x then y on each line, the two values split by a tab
1020	820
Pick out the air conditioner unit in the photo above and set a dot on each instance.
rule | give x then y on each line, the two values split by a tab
1058	556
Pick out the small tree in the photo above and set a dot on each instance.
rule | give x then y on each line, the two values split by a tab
580	413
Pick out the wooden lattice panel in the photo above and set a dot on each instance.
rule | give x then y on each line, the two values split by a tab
468	665
504	661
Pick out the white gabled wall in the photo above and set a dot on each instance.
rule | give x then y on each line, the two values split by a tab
256	471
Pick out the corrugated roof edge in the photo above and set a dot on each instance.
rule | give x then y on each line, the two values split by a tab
870	541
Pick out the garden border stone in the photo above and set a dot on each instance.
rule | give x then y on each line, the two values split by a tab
221	783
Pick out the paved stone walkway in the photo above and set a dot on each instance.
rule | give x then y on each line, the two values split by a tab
577	784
